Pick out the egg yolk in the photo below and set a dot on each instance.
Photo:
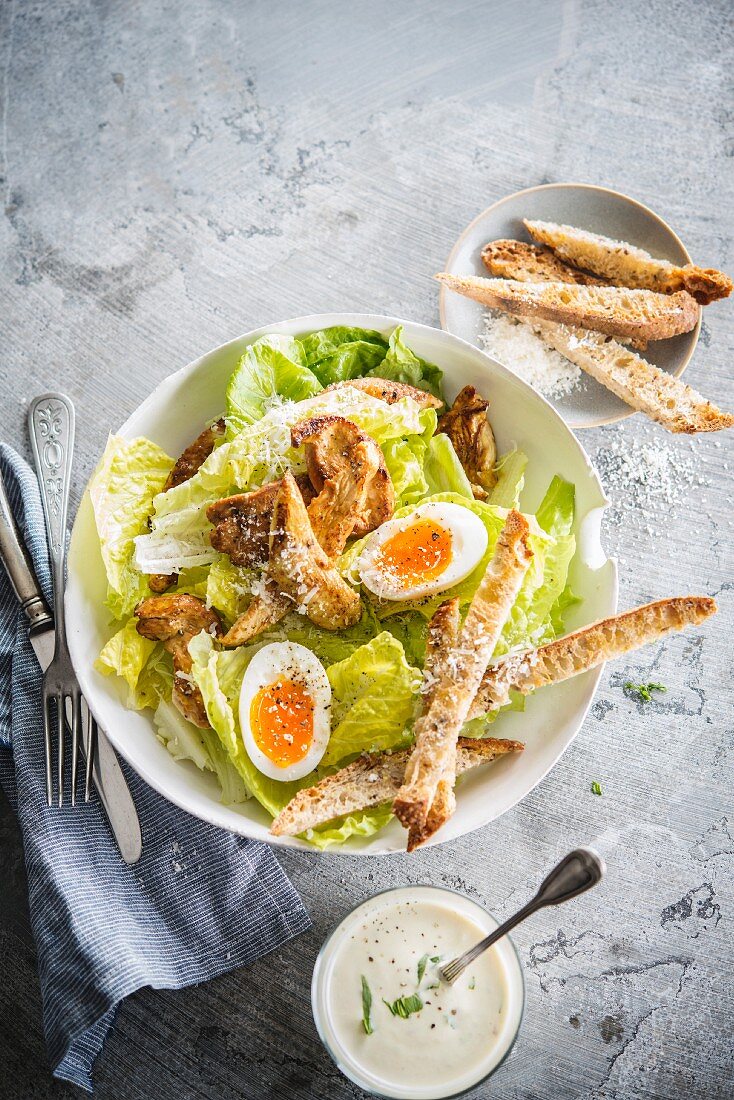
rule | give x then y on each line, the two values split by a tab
417	553
281	720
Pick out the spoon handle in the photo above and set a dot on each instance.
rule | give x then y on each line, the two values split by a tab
577	872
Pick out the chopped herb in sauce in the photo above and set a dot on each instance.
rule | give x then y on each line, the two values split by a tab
366	1006
422	964
404	1006
596	787
643	691
472	983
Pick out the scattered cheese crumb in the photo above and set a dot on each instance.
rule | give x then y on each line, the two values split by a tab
518	348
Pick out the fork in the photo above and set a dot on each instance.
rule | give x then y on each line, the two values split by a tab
51	426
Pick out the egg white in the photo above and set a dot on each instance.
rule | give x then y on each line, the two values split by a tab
294	662
468	546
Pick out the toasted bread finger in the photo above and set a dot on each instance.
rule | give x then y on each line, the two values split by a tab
531	263
434	753
371	781
642	314
441	641
625	265
586	648
643	386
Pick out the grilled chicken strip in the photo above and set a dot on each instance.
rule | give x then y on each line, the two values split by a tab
354	495
386	390
185	467
242	522
336	450
299	575
469	430
174	620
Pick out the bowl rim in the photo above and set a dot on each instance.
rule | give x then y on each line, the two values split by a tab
74	587
599	421
419	887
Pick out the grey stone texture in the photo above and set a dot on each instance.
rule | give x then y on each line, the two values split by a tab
177	172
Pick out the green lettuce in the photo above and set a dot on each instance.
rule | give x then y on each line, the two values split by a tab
404	459
510	472
130	474
142	664
228	588
339	353
403	365
374	694
185	741
273	368
364	823
443	470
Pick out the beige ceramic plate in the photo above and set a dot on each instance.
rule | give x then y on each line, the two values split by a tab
593	208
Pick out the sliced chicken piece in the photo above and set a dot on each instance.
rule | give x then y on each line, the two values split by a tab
174	620
301	569
469	430
337	451
187	464
299	575
386	390
242	522
355	495
266	609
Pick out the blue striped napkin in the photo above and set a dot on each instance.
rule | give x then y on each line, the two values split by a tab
198	903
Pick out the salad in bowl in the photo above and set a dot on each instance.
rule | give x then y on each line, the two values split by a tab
291	544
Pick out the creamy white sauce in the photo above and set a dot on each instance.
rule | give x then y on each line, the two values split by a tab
455	1037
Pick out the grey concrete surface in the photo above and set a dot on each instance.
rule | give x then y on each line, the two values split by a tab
174	173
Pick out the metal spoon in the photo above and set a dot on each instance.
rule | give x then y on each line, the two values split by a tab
577	872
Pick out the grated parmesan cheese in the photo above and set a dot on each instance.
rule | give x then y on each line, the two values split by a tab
518	348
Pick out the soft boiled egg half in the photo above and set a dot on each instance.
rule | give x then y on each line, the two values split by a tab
285	703
431	549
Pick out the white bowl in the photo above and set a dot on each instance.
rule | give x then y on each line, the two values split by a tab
174	413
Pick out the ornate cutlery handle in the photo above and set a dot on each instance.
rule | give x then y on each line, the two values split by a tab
19	568
51	426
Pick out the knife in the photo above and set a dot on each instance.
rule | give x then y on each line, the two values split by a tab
114	793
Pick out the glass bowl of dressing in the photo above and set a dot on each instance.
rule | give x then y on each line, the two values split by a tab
389	1023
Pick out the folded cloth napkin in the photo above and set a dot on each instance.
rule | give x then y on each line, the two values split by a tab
198	903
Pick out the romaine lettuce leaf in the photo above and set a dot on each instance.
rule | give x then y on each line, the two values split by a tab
182	738
374	695
130	474
337	354
272	368
402	365
537	612
443	470
363	823
404	459
510	472
318	346
228	588
185	741
143	664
